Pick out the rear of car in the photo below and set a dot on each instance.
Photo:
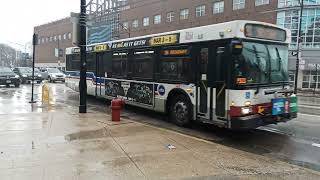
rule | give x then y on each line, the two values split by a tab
25	74
8	77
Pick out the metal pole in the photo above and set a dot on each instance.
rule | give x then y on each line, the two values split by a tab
298	49
83	63
33	61
314	90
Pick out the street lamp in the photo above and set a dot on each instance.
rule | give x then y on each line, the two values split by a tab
299	46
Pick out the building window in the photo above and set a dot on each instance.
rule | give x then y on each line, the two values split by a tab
218	7
55	38
261	2
65	36
200	11
39	41
69	35
146	21
51	39
239	4
184	14
135	23
310	26
59	37
157	19
170	16
47	39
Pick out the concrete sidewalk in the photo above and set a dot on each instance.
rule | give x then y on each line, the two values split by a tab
62	144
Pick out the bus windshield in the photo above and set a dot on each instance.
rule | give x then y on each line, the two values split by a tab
263	63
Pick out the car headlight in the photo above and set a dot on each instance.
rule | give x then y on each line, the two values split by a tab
53	75
16	76
24	75
39	75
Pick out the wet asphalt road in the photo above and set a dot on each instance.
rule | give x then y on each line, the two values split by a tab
297	142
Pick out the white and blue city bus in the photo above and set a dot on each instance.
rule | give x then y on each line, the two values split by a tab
233	74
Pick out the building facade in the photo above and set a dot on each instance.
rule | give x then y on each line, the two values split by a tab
53	39
149	17
288	16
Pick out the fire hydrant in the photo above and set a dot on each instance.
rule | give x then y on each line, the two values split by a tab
116	106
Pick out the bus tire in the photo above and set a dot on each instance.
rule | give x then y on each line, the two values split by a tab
180	111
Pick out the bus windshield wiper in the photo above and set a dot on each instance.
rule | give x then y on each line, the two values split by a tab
280	66
259	68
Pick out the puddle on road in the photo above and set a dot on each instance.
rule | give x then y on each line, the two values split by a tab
85	135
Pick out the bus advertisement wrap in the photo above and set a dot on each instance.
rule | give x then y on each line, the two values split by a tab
131	91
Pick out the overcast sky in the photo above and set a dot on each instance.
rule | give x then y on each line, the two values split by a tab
18	18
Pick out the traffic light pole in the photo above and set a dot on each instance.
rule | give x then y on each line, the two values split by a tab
298	49
83	63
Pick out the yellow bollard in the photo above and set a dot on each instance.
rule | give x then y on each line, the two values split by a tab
45	93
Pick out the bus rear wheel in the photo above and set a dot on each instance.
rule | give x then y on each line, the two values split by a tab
180	111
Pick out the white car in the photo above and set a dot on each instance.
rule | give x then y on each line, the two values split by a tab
55	74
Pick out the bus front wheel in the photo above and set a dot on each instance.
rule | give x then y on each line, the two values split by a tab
180	111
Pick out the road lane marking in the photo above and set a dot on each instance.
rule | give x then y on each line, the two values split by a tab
316	145
309	115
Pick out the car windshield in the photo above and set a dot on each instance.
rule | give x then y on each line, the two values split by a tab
25	70
5	70
54	70
262	63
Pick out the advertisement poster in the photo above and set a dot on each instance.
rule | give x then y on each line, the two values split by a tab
131	91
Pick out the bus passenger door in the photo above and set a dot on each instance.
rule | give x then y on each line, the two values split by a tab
203	94
221	81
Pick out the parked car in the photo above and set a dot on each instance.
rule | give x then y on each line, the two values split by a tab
54	74
8	77
25	74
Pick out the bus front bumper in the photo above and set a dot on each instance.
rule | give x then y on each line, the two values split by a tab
254	121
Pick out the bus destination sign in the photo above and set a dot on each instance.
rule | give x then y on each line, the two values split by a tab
265	32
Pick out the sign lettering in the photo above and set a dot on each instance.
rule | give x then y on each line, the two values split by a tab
160	40
102	47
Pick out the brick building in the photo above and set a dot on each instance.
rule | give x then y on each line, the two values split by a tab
142	17
53	36
154	16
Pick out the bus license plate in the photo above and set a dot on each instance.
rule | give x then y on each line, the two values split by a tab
8	81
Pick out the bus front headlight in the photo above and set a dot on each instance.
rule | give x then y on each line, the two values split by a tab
246	110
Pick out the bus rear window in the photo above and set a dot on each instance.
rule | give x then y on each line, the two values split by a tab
265	32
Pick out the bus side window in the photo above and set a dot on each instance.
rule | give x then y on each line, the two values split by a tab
91	62
119	64
142	66
176	64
